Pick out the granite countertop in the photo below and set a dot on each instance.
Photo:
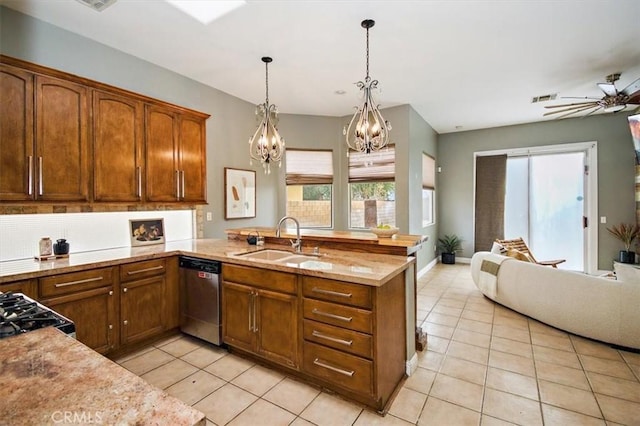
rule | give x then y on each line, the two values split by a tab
359	267
47	375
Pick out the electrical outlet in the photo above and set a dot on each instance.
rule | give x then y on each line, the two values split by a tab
603	219
209	216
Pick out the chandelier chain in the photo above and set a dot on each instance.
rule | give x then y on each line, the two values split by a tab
266	69
367	54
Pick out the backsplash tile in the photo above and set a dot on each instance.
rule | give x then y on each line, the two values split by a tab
20	233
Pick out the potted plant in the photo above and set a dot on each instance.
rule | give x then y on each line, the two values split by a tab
448	246
626	233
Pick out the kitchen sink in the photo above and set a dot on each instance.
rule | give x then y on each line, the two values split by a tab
268	254
295	259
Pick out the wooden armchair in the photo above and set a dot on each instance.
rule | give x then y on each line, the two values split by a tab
521	246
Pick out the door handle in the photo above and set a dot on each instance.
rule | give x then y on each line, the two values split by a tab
334	316
40	184
182	184
585	222
30	176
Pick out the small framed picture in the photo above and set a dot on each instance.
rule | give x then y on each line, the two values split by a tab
239	193
146	231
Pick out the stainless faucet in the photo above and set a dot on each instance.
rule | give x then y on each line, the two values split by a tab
297	244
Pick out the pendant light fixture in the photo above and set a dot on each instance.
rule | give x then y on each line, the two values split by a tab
266	145
368	131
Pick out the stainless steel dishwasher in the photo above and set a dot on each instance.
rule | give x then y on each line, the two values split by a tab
200	314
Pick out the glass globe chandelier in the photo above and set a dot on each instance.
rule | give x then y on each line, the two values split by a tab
266	145
368	131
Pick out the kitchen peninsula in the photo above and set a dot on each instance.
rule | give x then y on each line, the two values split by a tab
362	296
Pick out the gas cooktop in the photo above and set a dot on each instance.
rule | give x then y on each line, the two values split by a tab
21	314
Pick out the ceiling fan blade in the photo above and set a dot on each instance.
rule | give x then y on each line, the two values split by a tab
634	98
574	105
609	89
573	109
597	107
632	89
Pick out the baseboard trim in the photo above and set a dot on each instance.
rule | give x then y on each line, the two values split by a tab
427	268
412	365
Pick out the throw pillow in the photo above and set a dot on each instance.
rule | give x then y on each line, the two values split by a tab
517	254
497	248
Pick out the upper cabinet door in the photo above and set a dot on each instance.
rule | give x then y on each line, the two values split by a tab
61	163
163	174
16	135
193	166
118	126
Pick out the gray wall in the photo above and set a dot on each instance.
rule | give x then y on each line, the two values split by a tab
231	124
616	199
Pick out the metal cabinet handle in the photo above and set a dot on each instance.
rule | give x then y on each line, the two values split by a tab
111	293
30	176
182	179
178	184
125	322
331	339
251	312
139	178
255	321
88	280
124	290
140	271
323	364
334	316
40	184
110	326
330	292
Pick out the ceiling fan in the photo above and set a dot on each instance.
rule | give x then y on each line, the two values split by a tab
613	100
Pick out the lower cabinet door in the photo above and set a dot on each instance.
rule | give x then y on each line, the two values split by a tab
238	319
142	309
93	313
277	327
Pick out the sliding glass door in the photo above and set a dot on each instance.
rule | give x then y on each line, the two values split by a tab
545	205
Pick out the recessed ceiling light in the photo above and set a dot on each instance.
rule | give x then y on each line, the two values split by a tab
206	11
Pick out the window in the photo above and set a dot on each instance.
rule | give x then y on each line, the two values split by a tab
428	190
309	177
372	188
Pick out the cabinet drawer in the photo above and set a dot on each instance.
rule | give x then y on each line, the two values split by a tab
344	370
337	291
264	278
138	270
76	281
339	338
28	287
342	316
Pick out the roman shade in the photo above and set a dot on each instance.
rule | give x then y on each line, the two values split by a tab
379	166
428	172
309	167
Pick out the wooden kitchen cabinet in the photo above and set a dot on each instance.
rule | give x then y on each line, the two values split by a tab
142	300
60	163
27	287
44	145
16	134
260	313
354	337
87	298
118	142
175	155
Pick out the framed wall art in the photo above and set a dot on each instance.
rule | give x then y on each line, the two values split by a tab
239	193
146	231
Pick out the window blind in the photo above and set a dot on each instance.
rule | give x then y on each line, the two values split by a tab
379	166
309	167
428	172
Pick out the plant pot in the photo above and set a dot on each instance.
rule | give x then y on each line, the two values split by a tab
448	258
627	256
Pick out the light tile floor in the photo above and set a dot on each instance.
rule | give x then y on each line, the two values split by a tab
485	364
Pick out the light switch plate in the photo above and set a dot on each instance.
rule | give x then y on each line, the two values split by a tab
603	219
209	216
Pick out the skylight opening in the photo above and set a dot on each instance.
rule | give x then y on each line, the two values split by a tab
206	11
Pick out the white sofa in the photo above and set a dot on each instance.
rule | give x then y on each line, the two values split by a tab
598	308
